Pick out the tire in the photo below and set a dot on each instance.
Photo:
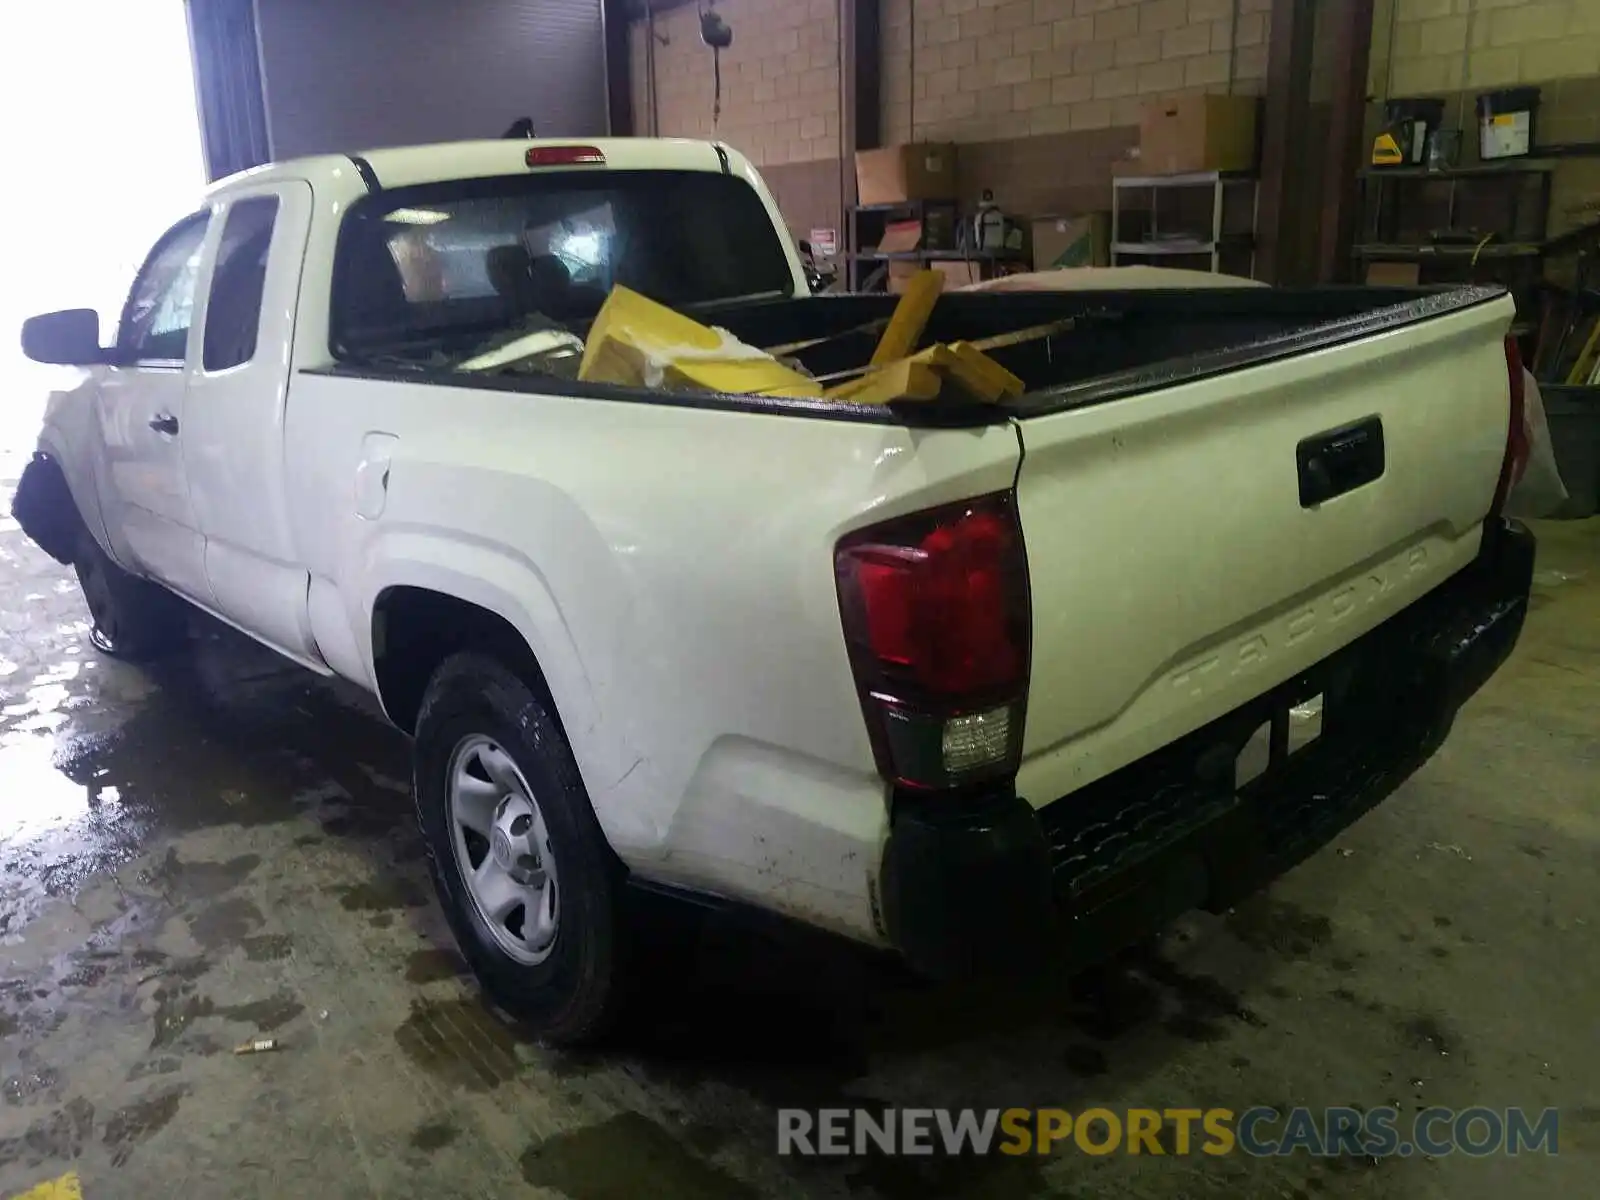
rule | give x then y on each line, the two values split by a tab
567	989
131	618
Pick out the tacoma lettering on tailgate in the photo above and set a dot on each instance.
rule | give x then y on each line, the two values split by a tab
1252	651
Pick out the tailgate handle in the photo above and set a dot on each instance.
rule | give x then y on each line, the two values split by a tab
1339	460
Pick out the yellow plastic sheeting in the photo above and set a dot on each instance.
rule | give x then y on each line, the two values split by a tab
639	343
64	1188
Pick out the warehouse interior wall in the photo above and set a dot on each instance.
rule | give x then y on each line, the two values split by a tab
227	80
1043	95
1421	47
365	73
780	94
1458	49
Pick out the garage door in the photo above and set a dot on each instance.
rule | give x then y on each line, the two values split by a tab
359	73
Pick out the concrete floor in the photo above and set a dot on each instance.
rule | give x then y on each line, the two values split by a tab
222	849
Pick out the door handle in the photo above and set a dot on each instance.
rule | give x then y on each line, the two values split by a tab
372	474
1339	460
164	423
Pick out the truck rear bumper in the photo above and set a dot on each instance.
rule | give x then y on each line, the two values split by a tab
1114	862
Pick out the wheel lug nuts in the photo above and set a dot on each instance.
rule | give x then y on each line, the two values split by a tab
520	824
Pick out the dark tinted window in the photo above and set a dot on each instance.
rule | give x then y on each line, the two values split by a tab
447	266
155	322
233	313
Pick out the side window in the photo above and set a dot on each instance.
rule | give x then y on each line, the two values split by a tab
233	313
155	323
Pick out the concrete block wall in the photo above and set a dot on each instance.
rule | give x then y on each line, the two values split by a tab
976	70
1044	95
780	79
1442	46
1457	49
985	69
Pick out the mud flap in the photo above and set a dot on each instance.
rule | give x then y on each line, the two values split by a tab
44	507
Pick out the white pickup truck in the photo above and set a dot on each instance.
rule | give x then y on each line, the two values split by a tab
938	678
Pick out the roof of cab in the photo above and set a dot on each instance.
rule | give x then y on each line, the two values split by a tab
405	166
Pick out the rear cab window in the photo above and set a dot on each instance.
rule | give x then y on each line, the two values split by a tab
238	281
432	275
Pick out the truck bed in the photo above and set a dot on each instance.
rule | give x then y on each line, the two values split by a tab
1122	342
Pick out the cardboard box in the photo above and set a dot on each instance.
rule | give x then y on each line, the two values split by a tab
959	272
1198	133
1082	241
900	237
1394	274
925	171
900	274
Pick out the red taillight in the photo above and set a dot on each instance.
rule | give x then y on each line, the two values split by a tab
935	611
564	156
1516	456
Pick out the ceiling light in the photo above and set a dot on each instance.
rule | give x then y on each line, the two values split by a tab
416	216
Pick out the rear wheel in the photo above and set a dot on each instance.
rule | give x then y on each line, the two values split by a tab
132	618
527	881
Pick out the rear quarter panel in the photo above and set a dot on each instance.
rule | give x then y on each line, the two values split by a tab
671	567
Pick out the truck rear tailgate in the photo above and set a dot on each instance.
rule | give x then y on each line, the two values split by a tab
1182	560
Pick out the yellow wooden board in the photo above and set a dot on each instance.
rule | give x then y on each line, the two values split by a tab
910	317
977	372
1581	365
907	379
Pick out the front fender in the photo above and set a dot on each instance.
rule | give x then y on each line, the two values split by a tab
69	439
45	509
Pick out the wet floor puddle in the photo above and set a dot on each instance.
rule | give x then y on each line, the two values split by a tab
431	966
625	1157
134	1123
177	1004
41	798
59	1137
461	1043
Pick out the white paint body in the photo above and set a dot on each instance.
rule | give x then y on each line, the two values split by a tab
671	567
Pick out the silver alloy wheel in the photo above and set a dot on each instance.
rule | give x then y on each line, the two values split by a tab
502	849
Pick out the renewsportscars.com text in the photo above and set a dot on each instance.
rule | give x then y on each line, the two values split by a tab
1260	1131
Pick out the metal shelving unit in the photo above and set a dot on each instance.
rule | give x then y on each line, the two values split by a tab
987	256
941	220
1390	196
1223	185
1428	252
865	224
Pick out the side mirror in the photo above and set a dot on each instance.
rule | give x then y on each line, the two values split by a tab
69	338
